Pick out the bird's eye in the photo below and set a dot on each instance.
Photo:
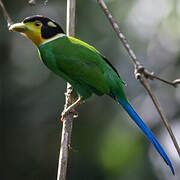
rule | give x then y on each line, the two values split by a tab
37	24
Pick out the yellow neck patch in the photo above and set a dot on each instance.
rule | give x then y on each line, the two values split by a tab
38	40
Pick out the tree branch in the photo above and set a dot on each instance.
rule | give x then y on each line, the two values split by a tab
141	70
141	73
160	111
32	2
68	118
6	15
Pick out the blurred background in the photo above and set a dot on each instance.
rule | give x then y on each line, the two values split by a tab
107	145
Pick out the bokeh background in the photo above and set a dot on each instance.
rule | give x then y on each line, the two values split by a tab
107	145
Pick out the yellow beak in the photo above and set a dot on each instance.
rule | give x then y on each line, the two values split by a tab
19	27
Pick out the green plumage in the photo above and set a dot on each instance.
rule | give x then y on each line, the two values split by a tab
82	66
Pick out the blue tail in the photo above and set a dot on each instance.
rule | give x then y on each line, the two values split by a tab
146	130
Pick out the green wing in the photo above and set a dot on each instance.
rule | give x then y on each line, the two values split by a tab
81	65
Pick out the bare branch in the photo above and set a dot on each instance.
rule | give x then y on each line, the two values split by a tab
141	73
45	2
138	66
65	138
68	117
118	32
150	75
32	2
161	113
6	15
176	81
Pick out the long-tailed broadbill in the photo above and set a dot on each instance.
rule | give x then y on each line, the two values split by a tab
80	64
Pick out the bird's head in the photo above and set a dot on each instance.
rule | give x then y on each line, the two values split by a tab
38	28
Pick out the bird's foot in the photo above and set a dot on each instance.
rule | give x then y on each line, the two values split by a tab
64	114
71	109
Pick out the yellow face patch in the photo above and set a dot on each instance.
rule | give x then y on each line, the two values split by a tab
33	32
50	23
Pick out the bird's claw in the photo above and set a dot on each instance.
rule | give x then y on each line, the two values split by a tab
66	112
71	109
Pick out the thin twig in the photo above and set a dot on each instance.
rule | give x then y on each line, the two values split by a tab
68	118
6	15
45	2
160	110
32	2
141	73
131	53
118	32
150	75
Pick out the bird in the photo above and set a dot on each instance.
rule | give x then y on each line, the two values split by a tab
84	67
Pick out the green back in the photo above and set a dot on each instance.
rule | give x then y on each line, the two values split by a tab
81	65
